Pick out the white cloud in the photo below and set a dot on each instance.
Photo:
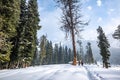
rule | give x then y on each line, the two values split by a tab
89	7
99	3
99	19
110	11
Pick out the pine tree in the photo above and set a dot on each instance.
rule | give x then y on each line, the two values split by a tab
43	43
81	50
89	55
70	52
71	20
63	55
60	54
5	48
9	16
55	58
66	55
78	56
103	44
31	29
18	53
49	52
116	34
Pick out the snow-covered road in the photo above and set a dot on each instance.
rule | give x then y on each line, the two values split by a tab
60	72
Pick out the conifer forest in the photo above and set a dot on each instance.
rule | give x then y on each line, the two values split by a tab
20	46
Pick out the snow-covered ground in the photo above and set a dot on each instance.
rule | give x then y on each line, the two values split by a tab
62	72
100	73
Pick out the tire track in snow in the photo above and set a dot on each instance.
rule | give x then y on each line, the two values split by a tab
49	74
90	75
94	75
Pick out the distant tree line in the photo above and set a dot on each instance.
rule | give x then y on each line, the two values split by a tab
60	54
53	54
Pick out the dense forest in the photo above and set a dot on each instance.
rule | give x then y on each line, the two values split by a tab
20	47
18	29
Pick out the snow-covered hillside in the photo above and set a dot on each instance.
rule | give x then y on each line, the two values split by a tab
62	72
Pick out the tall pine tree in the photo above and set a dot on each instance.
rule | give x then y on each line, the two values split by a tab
103	44
70	54
66	57
49	52
81	50
60	58
43	43
21	37
31	29
55	53
89	55
9	17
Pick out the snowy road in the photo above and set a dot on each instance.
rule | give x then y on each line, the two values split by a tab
59	72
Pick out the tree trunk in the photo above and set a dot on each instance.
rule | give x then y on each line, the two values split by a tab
74	48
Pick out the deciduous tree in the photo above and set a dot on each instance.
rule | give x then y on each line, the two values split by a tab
71	20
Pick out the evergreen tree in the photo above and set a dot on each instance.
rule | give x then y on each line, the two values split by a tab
116	34
36	55
55	57
78	56
43	43
70	54
49	52
81	50
9	16
20	40
31	29
89	55
103	44
66	55
63	55
60	54
5	49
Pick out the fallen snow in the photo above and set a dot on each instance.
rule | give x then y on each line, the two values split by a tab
62	72
100	73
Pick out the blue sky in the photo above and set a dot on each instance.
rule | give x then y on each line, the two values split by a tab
104	13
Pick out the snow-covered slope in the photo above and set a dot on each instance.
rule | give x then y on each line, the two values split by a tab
61	72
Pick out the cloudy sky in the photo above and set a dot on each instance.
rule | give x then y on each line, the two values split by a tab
104	13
